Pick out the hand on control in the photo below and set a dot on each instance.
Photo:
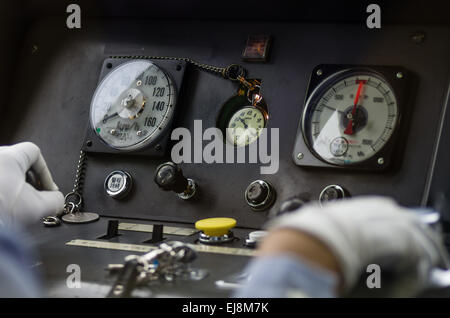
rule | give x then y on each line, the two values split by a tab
19	201
346	236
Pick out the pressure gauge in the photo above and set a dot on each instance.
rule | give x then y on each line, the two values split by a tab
350	117
133	105
245	126
353	116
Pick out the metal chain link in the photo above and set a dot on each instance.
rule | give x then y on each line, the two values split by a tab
232	71
74	199
79	175
70	205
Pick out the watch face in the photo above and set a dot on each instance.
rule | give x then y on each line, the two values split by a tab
245	126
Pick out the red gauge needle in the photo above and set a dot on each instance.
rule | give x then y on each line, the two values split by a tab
349	129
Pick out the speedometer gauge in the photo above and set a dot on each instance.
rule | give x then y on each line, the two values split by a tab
350	116
133	105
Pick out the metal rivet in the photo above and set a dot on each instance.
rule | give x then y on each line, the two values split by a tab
399	75
139	83
34	49
158	147
319	72
299	156
418	37
381	161
89	143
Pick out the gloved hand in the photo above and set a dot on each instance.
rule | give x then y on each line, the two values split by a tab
19	201
371	230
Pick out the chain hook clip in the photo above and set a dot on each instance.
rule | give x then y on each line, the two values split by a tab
234	72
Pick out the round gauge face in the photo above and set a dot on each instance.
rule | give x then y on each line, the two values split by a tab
133	105
350	117
245	126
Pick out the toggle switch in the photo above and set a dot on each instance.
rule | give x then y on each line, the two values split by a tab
215	230
169	177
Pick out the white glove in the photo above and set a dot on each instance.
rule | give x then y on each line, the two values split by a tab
371	230
19	201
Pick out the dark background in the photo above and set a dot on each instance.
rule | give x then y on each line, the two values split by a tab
49	74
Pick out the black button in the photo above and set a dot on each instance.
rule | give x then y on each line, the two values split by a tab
257	193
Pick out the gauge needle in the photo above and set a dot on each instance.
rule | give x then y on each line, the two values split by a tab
349	129
105	119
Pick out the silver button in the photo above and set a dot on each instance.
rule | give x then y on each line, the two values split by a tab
118	184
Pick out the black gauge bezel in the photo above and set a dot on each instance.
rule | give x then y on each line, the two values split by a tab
175	71
317	94
322	78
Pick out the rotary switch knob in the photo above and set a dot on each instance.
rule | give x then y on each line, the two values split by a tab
260	195
169	177
331	193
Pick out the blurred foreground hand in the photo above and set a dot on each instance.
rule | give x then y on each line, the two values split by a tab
330	247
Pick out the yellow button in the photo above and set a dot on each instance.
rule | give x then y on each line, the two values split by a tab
215	226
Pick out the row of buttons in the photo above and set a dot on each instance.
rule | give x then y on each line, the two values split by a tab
259	195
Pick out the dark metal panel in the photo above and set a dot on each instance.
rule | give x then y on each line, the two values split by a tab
13	26
328	11
53	110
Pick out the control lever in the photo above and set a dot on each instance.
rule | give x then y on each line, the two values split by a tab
169	177
126	281
167	262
